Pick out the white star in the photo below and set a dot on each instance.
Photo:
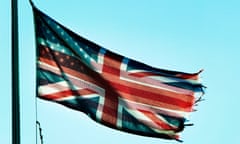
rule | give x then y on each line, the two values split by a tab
51	46
42	43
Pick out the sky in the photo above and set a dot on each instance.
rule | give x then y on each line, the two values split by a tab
178	35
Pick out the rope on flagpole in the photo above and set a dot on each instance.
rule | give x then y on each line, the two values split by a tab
40	131
38	125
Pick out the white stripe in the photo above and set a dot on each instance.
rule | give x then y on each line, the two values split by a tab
138	115
53	88
137	71
73	97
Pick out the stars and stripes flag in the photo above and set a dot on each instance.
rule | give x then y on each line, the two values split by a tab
111	89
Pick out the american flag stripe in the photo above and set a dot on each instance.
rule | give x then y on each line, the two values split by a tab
136	93
152	94
147	73
112	89
164	79
159	110
154	83
167	87
67	93
164	111
73	76
115	70
135	66
74	79
53	88
152	102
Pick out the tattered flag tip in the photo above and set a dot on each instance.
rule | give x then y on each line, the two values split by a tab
200	71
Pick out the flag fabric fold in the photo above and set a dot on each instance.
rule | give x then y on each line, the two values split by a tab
111	89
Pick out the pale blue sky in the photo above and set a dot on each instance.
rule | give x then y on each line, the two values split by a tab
181	35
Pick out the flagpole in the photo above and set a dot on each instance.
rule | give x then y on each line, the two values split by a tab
15	75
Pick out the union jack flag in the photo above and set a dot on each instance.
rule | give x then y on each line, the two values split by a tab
111	89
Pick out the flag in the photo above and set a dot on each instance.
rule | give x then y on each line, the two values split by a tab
111	89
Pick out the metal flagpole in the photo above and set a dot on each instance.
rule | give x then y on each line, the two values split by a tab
15	75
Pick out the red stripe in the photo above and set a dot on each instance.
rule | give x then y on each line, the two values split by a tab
142	74
188	76
111	97
110	109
